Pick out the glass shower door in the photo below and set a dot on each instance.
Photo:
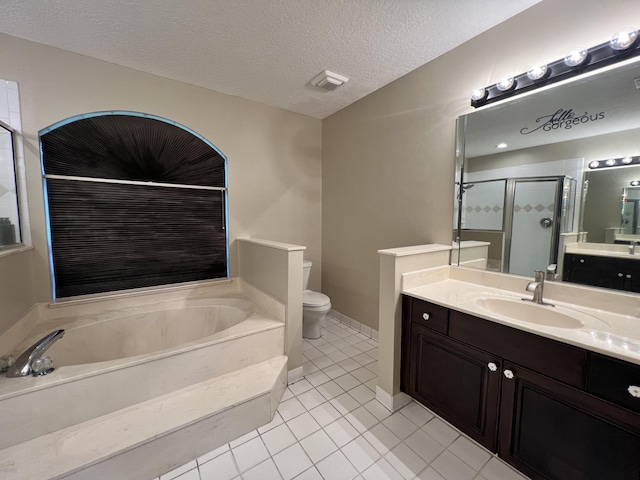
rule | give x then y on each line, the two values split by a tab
534	225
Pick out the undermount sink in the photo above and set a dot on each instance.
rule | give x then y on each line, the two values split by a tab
529	312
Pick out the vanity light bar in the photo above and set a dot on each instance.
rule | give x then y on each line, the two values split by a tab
614	162
624	45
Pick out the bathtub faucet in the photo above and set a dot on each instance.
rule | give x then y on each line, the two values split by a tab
23	366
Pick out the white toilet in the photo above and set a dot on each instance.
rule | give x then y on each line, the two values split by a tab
315	306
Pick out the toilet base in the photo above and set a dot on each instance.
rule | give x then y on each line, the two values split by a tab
311	328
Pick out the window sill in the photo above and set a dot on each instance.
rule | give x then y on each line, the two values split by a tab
13	250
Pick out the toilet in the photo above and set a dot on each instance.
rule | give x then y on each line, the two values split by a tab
315	306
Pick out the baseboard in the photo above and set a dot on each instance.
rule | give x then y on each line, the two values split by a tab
295	375
392	402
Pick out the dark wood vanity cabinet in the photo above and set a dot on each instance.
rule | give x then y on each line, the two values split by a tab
552	410
550	430
454	381
606	272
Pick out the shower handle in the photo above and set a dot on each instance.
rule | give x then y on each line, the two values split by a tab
546	222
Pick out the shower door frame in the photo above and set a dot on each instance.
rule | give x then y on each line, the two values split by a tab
507	221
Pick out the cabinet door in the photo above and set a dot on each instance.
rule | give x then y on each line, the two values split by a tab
552	431
458	382
592	270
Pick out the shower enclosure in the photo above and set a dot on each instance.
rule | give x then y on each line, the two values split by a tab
520	218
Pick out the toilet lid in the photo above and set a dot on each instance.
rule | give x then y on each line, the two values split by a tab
314	299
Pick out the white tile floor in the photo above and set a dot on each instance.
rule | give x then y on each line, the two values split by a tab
329	426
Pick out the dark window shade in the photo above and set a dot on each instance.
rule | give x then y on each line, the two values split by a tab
126	147
108	237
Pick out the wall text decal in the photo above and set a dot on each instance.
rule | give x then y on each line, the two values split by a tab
562	118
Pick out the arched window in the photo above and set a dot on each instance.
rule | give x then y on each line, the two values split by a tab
133	201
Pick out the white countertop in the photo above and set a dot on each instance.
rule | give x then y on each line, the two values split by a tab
603	250
604	330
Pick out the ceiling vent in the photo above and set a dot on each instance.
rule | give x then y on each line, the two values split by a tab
329	80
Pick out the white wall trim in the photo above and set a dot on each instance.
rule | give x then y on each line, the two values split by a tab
295	375
392	403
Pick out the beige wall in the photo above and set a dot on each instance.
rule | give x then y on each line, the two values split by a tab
600	147
274	156
16	288
388	159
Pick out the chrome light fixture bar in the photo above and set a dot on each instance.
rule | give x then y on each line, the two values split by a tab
622	46
614	162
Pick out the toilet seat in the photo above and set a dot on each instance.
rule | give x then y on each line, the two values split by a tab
314	299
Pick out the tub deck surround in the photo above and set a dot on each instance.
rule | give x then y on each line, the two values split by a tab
124	355
91	368
605	315
155	436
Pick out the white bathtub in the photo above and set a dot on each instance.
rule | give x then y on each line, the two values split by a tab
117	357
105	337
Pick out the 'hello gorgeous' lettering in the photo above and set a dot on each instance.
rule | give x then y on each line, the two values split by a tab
563	118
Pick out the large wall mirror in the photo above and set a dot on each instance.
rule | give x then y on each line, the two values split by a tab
529	193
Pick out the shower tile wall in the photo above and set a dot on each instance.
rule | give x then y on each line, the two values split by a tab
10	114
572	168
483	206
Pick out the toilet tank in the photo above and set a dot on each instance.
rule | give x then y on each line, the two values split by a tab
306	270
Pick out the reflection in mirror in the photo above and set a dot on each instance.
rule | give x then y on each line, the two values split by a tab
610	205
522	165
630	204
9	219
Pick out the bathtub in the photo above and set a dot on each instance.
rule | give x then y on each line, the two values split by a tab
111	358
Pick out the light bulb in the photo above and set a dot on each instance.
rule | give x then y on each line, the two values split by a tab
635	183
627	160
576	57
611	162
594	164
505	84
537	72
478	94
624	38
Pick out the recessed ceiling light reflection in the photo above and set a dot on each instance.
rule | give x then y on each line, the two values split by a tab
502	145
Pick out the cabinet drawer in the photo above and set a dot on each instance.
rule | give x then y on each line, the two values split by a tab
614	380
557	360
429	315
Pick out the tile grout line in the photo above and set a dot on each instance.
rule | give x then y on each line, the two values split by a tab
329	331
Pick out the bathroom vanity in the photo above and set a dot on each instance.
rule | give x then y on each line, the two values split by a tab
554	391
620	272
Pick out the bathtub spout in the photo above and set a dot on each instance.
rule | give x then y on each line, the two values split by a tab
23	365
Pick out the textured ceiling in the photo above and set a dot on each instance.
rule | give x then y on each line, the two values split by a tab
266	50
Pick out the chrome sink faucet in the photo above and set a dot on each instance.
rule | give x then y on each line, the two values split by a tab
537	287
632	247
23	366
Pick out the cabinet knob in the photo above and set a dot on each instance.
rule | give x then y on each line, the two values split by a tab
509	374
620	275
582	260
634	391
426	316
628	275
492	366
